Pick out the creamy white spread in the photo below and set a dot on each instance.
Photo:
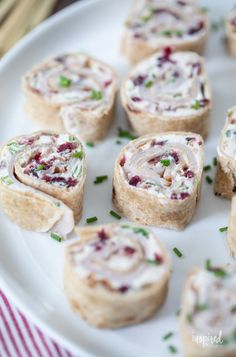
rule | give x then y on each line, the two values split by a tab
228	138
122	257
211	300
169	84
74	79
168	166
158	22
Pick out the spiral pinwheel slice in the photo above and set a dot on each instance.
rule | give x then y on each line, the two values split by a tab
154	24
208	312
230	25
157	179
225	182
42	179
116	275
73	93
168	92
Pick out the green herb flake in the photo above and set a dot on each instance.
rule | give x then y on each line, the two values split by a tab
207	168
167	336
100	179
178	252
196	104
96	95
202	307
90	144
179	33
177	95
139	230
40	167
147	17
78	155
165	163
64	81
223	229
209	180
214	161
149	84
57	204
218	272
230	113
56	237
228	133
167	33
125	134
118	142
72	138
7	180
204	9
115	215
13	147
189	318
91	219
152	261
172	349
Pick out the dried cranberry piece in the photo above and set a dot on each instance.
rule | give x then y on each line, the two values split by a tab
173	196
102	234
71	182
129	250
136	99
122	161
123	289
158	258
107	83
138	81
37	156
184	195
175	156
138	35
204	102
196	29
189	174
167	51
67	146
134	180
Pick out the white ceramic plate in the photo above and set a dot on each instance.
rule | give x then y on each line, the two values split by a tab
31	264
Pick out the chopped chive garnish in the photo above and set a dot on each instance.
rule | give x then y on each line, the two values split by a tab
57	204
172	349
196	104
214	161
7	180
219	272
152	261
146	18
56	237
40	167
91	219
78	155
179	33
167	33
202	307
149	84
189	318
125	134
223	229
118	142
209	180
90	144
142	231
207	168
167	336
96	95
177	252
72	138
204	9
115	215
100	179
165	162
64	81
228	133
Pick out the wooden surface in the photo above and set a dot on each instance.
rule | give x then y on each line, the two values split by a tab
17	17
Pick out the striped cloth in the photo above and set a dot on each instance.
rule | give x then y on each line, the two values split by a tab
20	338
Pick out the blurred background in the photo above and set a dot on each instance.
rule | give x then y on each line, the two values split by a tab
17	17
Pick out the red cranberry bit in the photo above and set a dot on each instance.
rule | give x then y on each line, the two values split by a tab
196	29
167	51
184	195
67	146
129	250
138	36
158	143
204	102
98	247
200	143
138	81
37	156
175	156
181	3
136	99
134	180
123	289
107	83
102	235
189	174
173	196
122	161
70	182
158	258
233	121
